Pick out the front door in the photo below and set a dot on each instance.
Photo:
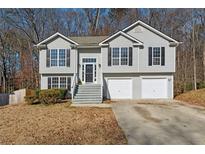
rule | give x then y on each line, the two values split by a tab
89	73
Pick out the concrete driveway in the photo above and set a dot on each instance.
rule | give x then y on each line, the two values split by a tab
161	122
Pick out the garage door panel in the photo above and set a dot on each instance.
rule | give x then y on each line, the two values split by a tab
120	88
154	88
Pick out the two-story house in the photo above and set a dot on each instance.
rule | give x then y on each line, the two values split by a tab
137	62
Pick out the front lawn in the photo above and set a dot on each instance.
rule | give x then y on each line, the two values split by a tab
194	97
58	124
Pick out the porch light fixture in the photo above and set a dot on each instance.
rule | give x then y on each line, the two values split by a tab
99	65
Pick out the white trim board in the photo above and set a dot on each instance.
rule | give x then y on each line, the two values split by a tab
123	34
54	35
151	29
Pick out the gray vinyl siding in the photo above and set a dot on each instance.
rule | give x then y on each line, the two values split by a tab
136	81
120	41
58	43
140	55
151	39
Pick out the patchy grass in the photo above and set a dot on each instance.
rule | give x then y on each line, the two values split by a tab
58	124
194	97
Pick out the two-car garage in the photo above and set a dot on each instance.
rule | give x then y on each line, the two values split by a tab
138	88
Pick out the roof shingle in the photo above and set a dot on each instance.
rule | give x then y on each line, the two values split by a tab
88	40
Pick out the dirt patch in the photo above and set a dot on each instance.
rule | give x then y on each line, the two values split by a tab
59	124
146	114
108	101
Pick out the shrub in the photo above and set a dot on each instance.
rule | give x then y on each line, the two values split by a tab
48	96
188	86
178	88
32	100
51	96
31	97
200	85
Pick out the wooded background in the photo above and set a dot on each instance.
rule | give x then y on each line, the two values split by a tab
21	29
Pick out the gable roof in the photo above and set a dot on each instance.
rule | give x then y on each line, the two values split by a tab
55	35
123	34
151	29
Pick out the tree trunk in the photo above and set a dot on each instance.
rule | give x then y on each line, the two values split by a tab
204	59
194	55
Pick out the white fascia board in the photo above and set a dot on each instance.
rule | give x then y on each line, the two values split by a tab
120	33
151	29
54	35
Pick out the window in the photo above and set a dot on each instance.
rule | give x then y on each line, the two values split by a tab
156	56
54	82
58	57
115	56
63	82
61	57
124	56
54	57
120	56
59	82
89	60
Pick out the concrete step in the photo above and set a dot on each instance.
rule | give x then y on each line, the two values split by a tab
88	94
87	101
88	90
99	98
89	85
87	97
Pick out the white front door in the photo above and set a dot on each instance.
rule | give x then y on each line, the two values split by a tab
120	88
154	88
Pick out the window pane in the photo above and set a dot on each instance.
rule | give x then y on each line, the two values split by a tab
124	56
124	52
54	55
156	56
115	56
115	61
63	82
62	54
115	52
156	61
62	57
54	82
89	60
123	61
156	52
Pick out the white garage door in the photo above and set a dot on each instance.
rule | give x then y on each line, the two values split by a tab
120	88
154	88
